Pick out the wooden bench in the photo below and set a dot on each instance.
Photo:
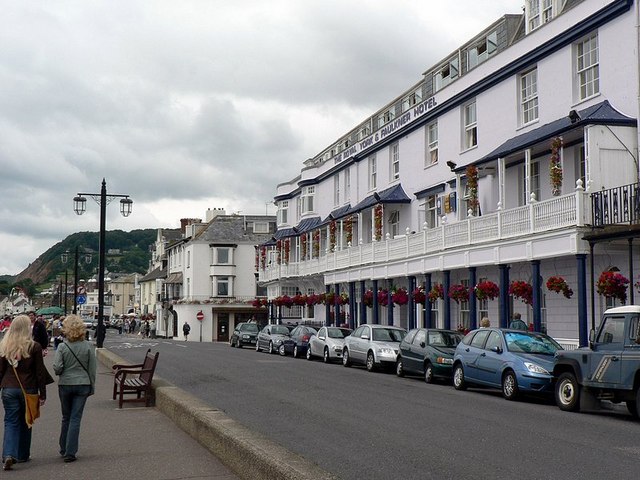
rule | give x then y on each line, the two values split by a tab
129	379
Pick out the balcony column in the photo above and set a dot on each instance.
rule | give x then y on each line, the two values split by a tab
428	314
503	301
473	310
447	301
583	334
389	302
376	307
411	317
327	307
352	305
593	285
537	295
363	307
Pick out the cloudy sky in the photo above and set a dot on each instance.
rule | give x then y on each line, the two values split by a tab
193	104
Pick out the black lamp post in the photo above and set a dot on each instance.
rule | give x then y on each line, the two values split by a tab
79	206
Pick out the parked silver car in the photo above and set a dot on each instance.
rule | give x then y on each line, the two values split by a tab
373	345
327	343
271	337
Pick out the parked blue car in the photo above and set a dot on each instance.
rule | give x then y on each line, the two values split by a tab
512	360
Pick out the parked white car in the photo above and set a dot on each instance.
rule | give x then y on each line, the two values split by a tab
328	343
373	345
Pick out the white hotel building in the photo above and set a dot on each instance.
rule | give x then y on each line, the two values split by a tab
560	79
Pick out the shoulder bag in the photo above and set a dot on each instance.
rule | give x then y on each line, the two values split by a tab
31	402
93	388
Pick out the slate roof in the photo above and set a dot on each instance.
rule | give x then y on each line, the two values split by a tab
232	229
154	275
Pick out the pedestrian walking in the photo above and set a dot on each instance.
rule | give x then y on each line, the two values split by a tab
39	332
75	363
21	367
517	323
485	322
186	328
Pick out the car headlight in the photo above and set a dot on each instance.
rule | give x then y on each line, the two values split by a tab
535	368
245	336
385	351
444	361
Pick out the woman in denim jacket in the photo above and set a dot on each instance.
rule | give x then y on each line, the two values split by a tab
75	363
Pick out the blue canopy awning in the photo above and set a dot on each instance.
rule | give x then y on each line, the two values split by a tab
307	224
285	232
600	114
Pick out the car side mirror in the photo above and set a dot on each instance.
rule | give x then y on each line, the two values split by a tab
321	338
422	344
496	349
592	338
364	336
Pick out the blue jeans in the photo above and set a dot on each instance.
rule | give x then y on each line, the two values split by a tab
17	436
72	400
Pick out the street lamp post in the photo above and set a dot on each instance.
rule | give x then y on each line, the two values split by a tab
79	206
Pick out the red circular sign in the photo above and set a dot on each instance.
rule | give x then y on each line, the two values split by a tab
200	316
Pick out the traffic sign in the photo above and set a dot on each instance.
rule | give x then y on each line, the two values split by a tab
82	290
200	316
81	299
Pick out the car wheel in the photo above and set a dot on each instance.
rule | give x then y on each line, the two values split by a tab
568	392
428	372
281	350
295	351
325	356
458	378
309	352
231	343
239	343
270	350
371	364
346	361
399	369
510	386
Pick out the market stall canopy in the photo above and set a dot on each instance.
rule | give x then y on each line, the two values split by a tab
50	311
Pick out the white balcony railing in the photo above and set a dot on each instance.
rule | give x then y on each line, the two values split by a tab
556	213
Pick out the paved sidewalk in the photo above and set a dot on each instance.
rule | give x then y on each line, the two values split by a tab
135	442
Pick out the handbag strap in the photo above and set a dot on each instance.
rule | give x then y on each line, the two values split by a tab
18	377
81	364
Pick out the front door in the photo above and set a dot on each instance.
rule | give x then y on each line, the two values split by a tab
223	327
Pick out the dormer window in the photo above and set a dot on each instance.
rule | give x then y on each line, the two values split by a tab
446	73
364	132
412	100
482	50
538	13
386	117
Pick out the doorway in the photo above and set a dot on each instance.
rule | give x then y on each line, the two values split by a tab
223	327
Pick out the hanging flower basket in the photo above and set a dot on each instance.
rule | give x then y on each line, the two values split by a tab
487	290
555	167
348	228
472	185
279	251
462	329
342	299
259	303
383	297
299	300
522	290
287	250
332	234
329	298
459	293
316	244
303	246
367	299
377	222
263	257
313	299
436	292
559	285
419	295
400	296
613	285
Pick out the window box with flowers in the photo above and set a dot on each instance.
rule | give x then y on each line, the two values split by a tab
299	300
436	292
559	285
419	295
400	296
613	284
333	227
555	167
472	188
377	222
487	290
459	293
348	229
522	290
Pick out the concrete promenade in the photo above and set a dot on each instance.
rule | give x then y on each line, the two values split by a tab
135	442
